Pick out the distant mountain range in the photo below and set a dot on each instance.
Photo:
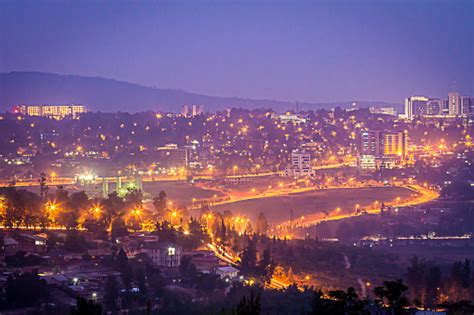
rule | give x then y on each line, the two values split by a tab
108	95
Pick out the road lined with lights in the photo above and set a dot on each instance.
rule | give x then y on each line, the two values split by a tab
54	180
232	259
423	195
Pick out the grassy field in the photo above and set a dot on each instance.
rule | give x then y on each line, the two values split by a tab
277	209
179	192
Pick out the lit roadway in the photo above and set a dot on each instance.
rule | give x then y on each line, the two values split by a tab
50	181
423	195
230	258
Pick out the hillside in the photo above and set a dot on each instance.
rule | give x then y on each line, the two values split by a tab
108	95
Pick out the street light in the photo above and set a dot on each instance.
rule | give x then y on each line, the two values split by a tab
96	209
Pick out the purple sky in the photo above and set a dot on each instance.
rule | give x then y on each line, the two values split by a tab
289	50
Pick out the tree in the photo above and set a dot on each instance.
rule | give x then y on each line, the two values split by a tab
392	294
114	206
140	277
157	283
118	228
223	231
431	283
322	306
249	228
266	265
250	305
134	198
43	186
86	307
248	257
160	203
196	230
122	260
187	269
111	292
165	232
127	277
459	280
78	202
415	276
261	226
347	302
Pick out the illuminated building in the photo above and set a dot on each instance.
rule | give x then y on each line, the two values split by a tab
300	164
290	118
367	162
467	104
382	149
435	107
395	144
185	110
414	106
454	103
383	110
163	255
198	110
227	272
372	143
51	111
191	111
172	156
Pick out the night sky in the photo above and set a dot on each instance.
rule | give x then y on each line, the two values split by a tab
316	51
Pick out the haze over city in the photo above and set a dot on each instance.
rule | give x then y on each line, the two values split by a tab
236	157
320	51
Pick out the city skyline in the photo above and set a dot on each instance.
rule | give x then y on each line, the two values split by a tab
237	157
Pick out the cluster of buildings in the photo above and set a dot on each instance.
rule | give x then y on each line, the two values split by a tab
68	274
191	111
455	105
380	149
51	111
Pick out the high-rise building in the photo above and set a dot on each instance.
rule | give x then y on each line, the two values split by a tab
382	149
434	107
454	103
191	111
51	111
415	106
444	106
185	110
372	143
198	110
395	143
466	103
171	155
